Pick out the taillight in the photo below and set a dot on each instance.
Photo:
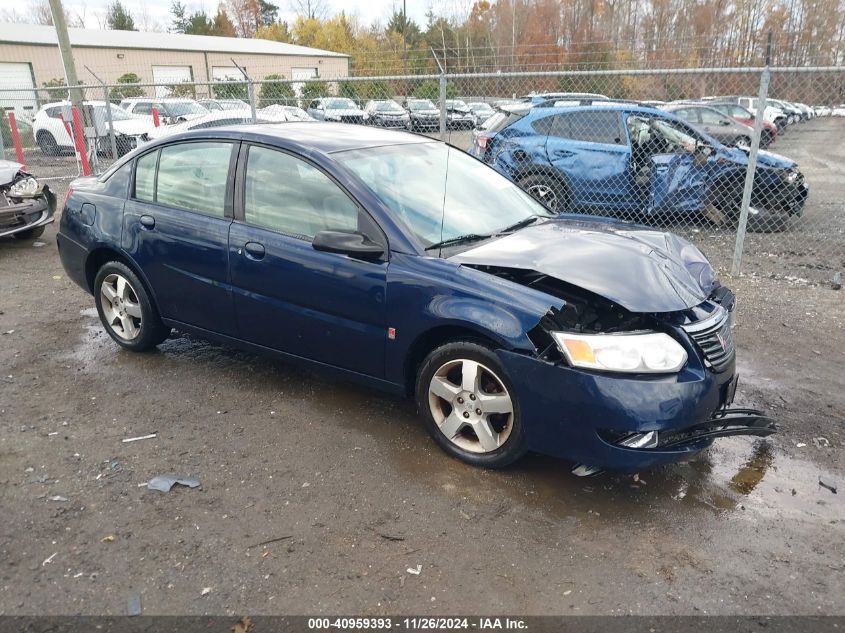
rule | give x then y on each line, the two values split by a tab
481	141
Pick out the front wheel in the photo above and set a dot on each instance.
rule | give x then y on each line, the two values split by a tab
469	405
547	190
126	310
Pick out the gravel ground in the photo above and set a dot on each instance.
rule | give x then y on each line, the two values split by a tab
357	494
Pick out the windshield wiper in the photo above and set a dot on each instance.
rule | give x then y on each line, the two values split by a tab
519	225
470	237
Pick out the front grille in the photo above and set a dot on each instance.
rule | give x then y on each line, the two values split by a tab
713	337
351	118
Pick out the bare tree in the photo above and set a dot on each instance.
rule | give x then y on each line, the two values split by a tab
310	9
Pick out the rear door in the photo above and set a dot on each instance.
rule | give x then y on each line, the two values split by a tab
176	227
288	296
589	148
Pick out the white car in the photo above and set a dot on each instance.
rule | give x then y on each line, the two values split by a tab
838	110
170	110
50	127
771	114
278	112
213	119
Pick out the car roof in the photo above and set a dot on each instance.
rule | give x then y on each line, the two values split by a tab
620	106
323	137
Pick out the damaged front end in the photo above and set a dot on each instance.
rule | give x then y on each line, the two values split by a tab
611	388
26	206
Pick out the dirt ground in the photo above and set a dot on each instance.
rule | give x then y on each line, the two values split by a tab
352	492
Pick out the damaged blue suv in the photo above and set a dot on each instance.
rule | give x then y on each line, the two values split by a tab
403	263
631	161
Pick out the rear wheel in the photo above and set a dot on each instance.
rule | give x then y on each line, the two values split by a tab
126	310
547	190
47	143
765	139
469	405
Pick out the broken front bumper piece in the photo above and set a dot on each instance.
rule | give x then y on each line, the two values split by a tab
726	423
30	213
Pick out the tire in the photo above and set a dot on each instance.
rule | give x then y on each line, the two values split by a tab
547	190
765	139
492	438
741	140
130	317
30	234
47	143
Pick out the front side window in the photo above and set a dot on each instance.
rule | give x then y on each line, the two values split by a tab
286	194
592	127
711	117
143	108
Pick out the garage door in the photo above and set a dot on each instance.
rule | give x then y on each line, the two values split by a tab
225	73
13	77
164	76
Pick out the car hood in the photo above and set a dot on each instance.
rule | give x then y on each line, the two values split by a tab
764	158
132	127
8	169
344	112
426	112
639	268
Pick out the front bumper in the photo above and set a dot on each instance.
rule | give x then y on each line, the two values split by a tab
582	416
30	213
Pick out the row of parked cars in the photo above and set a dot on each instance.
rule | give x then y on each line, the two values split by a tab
645	161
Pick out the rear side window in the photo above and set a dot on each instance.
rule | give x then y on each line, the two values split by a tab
687	114
117	183
711	118
142	108
593	127
500	121
194	176
145	175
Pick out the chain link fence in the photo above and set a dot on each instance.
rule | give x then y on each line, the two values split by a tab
745	162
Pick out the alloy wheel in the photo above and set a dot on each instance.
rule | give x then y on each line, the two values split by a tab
121	308
544	194
471	406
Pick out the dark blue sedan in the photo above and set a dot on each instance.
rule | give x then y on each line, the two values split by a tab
401	262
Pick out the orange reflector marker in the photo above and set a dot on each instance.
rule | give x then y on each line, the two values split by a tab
579	351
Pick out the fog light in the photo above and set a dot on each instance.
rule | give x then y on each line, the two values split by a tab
640	440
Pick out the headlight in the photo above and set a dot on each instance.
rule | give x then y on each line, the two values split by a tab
366	116
791	176
25	187
648	353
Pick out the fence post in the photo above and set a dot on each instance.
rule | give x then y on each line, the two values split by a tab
2	148
752	168
16	138
442	106
79	140
250	89
107	103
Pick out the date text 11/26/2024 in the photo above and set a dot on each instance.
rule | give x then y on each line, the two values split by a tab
416	624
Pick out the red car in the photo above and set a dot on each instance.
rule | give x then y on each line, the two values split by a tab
768	134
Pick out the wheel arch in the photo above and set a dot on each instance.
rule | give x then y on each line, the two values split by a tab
431	339
101	255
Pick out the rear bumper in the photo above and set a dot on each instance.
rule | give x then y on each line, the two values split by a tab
29	214
583	416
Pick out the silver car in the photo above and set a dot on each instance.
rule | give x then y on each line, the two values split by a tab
712	122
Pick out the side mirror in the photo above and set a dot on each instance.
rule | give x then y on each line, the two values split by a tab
347	243
724	122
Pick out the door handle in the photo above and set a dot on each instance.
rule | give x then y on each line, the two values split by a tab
148	222
561	153
254	250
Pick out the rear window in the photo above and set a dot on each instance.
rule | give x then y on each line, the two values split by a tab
500	121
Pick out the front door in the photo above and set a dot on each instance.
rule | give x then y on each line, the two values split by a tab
176	227
288	296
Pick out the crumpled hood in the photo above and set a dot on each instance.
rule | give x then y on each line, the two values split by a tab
426	112
764	158
8	169
641	269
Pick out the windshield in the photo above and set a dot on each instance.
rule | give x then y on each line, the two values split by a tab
416	106
183	108
233	105
117	114
456	104
440	192
388	106
340	104
480	107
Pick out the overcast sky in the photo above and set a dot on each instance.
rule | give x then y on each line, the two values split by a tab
159	10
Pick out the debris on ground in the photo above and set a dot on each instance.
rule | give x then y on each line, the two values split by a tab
800	445
836	284
9	332
111	538
415	571
205	591
272	540
164	483
821	442
827	486
133	604
391	537
244	625
49	559
140	437
57	498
